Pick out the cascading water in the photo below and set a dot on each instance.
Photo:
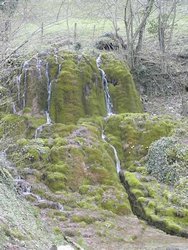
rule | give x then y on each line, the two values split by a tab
13	108
108	101
48	119
23	187
49	88
59	68
18	84
118	164
109	108
39	130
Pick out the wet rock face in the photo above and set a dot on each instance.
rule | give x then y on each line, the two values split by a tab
76	88
122	89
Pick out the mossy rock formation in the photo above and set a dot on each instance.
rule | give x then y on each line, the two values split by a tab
132	134
76	86
123	92
69	163
156	203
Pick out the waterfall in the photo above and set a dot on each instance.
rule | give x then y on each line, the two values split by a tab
49	88
118	164
59	68
13	108
108	101
39	130
109	108
18	84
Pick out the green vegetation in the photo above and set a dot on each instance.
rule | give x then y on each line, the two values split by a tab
154	203
172	155
21	222
77	92
70	165
132	134
124	95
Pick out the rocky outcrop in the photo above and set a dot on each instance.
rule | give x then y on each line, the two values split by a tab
76	89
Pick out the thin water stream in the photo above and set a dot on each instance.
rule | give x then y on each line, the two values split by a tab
22	186
109	109
47	112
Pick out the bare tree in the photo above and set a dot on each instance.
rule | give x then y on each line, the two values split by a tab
136	15
166	21
111	11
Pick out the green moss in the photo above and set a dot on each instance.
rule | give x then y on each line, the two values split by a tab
171	226
138	193
14	233
122	88
13	126
154	218
122	208
57	230
84	189
83	218
134	134
152	192
27	110
142	200
132	180
77	92
56	181
170	211
61	167
22	142
100	175
151	204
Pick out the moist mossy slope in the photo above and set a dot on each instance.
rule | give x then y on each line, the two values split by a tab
132	134
156	203
21	224
125	97
75	158
78	90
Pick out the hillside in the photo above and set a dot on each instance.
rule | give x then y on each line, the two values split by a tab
93	143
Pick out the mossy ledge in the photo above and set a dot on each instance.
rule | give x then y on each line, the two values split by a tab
140	212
